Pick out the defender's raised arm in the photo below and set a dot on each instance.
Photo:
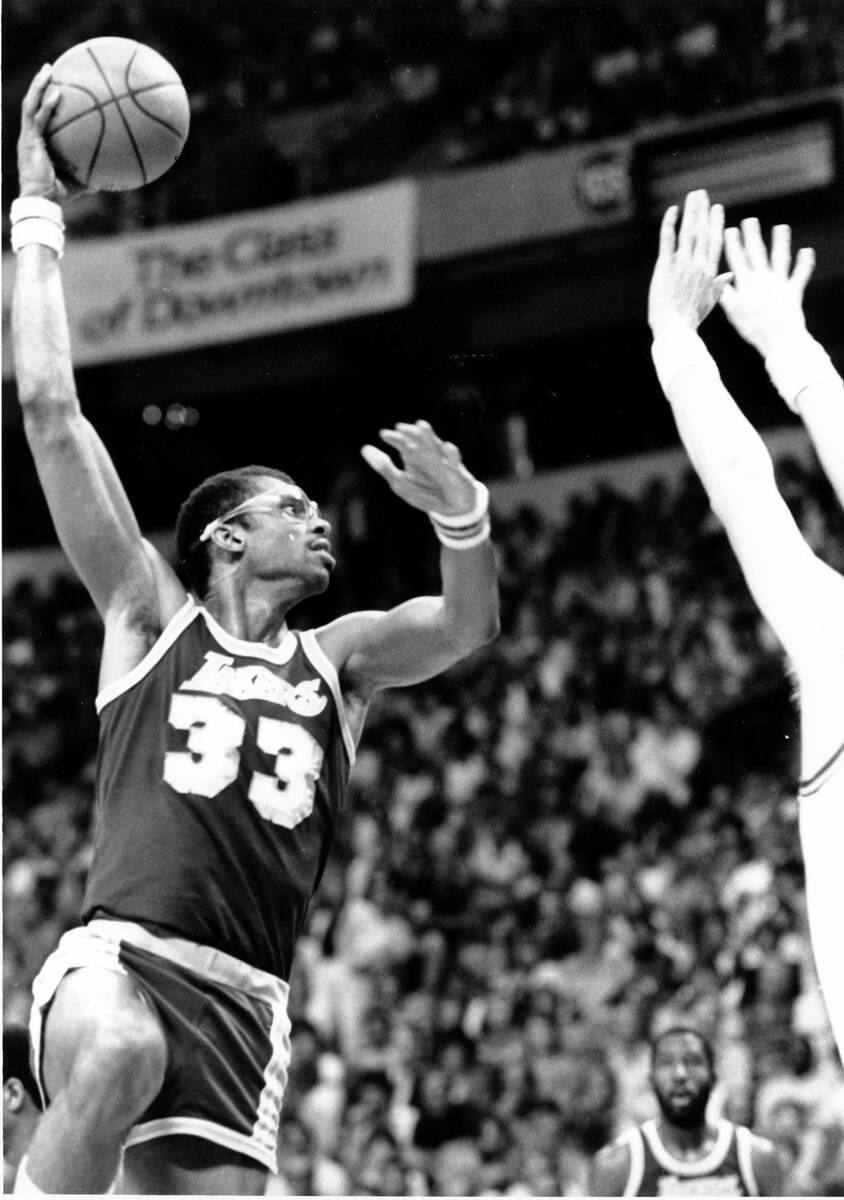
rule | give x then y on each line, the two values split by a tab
796	592
765	306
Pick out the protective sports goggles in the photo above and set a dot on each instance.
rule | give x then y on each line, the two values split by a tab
291	506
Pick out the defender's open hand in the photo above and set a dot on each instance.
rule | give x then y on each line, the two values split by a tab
685	285
765	302
432	476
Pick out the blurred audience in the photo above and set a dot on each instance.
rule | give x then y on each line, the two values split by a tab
333	97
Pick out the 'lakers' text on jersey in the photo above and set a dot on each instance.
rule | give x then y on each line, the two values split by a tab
222	770
726	1170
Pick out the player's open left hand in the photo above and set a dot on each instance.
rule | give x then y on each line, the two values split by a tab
685	285
36	170
432	476
765	302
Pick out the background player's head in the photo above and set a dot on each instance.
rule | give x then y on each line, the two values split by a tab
682	1074
212	500
21	1101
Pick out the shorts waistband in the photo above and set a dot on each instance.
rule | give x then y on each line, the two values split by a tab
205	960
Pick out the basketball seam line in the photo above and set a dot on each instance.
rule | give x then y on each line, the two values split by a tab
151	117
126	125
97	105
155	117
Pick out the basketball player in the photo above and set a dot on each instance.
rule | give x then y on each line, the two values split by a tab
21	1102
681	1153
226	742
801	597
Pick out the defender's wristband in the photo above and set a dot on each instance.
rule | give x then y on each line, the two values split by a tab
798	364
677	348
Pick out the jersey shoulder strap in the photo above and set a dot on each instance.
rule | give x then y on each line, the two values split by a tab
709	1164
744	1153
177	624
636	1171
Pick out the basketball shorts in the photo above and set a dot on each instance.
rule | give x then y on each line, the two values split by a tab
227	1030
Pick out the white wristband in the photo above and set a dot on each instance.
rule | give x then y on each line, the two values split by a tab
37	230
36	206
470	518
474	536
35	219
798	364
677	348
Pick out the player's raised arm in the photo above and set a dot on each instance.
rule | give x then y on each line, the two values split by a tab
424	636
765	305
798	594
92	515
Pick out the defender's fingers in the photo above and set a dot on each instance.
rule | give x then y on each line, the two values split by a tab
734	252
35	91
721	283
754	243
781	249
668	232
380	462
728	299
716	236
804	266
690	225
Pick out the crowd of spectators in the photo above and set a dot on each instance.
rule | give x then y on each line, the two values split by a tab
335	95
581	833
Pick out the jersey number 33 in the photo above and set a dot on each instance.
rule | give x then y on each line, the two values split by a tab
211	761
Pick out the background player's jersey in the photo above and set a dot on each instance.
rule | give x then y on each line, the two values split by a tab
727	1170
222	768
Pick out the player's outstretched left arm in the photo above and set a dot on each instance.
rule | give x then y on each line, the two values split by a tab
424	636
798	594
765	305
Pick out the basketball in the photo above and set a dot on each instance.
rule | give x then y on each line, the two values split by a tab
122	117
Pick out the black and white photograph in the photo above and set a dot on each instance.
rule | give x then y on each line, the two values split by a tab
423	597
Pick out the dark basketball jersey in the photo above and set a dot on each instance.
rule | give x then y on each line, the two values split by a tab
221	772
727	1170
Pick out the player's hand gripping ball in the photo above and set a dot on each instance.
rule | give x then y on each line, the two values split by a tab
122	118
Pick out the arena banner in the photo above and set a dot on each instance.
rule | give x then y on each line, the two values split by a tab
229	278
539	196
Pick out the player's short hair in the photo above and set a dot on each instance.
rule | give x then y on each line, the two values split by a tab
694	1031
209	500
17	1063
